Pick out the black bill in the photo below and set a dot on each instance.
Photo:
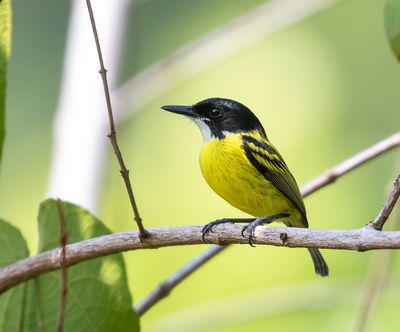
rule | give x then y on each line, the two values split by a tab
184	110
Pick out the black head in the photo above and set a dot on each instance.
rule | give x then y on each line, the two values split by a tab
218	116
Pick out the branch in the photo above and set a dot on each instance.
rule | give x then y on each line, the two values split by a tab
78	127
173	280
360	239
387	208
360	158
165	287
323	180
113	135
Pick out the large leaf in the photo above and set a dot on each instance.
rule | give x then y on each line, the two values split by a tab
98	296
392	25
5	37
12	248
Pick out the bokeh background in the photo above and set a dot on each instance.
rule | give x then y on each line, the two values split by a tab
324	88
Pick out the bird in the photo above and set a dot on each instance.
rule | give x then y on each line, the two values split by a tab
241	165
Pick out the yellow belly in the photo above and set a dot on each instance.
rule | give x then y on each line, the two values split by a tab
230	174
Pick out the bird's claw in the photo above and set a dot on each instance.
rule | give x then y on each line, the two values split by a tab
244	229
209	228
250	228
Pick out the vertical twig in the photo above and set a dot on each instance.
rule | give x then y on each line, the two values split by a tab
113	135
63	264
80	121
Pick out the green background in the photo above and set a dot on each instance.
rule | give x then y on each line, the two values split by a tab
324	89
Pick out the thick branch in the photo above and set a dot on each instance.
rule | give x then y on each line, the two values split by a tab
360	239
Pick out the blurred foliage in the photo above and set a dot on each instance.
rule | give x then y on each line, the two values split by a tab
98	298
12	248
392	25
324	89
5	42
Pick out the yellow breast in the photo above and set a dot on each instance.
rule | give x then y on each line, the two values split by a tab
230	174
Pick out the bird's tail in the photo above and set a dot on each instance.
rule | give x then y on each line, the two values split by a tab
320	265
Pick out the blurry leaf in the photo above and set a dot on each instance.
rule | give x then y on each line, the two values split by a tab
12	248
98	296
5	37
392	25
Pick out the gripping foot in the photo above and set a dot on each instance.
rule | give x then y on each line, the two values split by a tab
209	228
251	227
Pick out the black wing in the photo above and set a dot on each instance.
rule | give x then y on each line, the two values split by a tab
270	164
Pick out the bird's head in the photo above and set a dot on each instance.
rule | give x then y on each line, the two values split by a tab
216	117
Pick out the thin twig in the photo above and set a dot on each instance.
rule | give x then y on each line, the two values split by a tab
170	283
113	135
323	180
387	208
80	119
165	287
360	158
63	264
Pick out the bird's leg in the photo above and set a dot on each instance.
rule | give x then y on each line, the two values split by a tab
210	226
251	227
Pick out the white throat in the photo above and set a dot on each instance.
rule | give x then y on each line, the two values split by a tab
205	130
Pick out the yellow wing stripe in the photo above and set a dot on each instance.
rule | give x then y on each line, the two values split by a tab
269	163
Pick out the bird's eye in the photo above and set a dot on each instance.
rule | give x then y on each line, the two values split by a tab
215	113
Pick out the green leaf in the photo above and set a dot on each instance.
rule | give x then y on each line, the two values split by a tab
392	25
98	297
5	41
12	248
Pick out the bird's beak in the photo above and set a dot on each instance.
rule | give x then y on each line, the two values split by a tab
184	110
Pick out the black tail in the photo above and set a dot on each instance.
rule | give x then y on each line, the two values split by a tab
320	265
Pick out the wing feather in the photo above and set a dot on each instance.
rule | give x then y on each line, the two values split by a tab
270	164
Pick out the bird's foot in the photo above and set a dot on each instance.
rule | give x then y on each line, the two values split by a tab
209	228
251	227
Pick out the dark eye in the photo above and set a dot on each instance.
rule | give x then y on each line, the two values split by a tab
215	113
